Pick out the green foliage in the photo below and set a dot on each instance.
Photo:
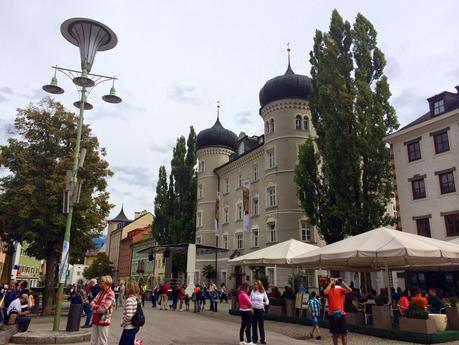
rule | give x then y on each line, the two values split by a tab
100	267
416	312
175	203
344	175
209	271
36	157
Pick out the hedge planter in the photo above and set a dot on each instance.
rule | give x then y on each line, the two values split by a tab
355	318
277	310
290	307
382	317
453	318
417	325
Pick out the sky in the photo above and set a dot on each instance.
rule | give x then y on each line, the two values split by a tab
175	59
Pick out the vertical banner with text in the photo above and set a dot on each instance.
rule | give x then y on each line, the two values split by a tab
246	204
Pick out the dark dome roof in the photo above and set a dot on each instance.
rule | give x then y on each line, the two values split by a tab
289	85
121	217
216	135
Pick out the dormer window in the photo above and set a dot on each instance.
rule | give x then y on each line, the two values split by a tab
438	107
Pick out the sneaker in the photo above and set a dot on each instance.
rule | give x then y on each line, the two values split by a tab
242	343
318	337
250	343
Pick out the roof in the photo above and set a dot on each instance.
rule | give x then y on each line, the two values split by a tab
216	136
235	157
288	85
121	217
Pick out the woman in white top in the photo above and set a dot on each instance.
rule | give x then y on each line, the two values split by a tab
132	299
259	300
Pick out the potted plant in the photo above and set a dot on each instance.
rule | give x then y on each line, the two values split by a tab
452	313
417	320
276	306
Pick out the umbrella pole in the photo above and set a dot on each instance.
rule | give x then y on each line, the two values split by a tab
386	283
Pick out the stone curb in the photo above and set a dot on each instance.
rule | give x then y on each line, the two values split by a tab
50	337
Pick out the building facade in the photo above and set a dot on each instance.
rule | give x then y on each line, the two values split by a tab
125	257
425	159
147	266
266	164
118	228
27	267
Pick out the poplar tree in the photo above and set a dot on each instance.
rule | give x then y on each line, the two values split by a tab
344	176
161	226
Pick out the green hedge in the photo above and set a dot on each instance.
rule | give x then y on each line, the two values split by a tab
394	334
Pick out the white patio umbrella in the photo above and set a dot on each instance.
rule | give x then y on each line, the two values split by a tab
278	254
382	248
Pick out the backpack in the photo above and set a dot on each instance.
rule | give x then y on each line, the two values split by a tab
138	319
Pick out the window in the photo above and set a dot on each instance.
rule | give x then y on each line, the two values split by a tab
272	232
226	185
240	149
298	122
239	240
272	199
239	212
255	208
414	151
225	241
256	174
271	275
419	189
199	219
271	159
439	107
201	166
239	181
267	127
198	240
452	224
423	226
306	123
255	238
200	194
441	142
271	126
226	215
305	232
447	183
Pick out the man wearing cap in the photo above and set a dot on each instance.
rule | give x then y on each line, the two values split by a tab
20	307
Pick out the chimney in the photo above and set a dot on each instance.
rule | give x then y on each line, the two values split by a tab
457	89
139	214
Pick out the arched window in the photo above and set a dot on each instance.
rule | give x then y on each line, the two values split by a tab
298	122
267	127
272	126
306	123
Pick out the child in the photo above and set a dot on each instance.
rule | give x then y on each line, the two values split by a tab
187	302
245	307
314	304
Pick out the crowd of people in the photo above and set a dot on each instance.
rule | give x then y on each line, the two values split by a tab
16	302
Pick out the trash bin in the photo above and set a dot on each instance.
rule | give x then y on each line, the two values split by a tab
74	318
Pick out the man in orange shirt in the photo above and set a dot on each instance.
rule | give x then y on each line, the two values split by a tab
418	299
335	292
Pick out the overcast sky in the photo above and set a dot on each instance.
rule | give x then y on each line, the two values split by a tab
175	59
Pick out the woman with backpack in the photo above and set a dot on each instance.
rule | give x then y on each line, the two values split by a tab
129	320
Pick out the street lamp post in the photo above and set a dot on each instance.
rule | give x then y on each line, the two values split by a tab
90	36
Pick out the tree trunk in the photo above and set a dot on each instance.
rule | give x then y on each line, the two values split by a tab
7	266
50	284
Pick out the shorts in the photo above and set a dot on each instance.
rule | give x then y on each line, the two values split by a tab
337	325
315	321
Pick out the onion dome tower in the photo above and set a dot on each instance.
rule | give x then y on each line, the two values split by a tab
214	147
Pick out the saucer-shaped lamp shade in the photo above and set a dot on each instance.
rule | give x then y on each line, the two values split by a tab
83	81
53	87
112	97
90	36
87	106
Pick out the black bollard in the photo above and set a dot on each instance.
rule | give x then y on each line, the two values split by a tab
74	318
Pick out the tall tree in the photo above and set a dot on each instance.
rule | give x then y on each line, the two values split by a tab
37	157
344	177
189	201
161	226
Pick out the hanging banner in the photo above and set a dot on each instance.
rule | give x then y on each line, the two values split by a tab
64	262
217	213
246	204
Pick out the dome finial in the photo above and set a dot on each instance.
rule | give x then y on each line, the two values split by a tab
218	110
289	68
